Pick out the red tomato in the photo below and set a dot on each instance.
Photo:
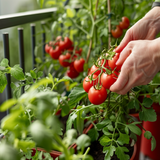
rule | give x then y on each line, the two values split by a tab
79	64
63	60
72	73
87	84
66	44
93	69
108	80
117	32
55	52
57	40
125	23
112	63
79	51
47	48
97	96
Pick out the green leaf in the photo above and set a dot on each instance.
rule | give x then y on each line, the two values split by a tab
7	104
24	145
4	62
70	120
135	129
17	72
54	27
71	12
83	141
106	132
105	140
153	143
120	152
65	78
123	139
76	95
148	115
102	124
109	152
3	82
8	152
131	104
147	102
93	134
148	134
33	74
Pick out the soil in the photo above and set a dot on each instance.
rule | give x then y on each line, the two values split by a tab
96	151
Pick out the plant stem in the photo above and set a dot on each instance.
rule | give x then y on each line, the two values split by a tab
109	24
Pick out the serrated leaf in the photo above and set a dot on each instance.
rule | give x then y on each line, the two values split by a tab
4	62
17	72
120	152
148	134
109	152
93	134
123	139
148	115
7	104
102	124
153	143
105	140
3	82
135	129
76	95
147	102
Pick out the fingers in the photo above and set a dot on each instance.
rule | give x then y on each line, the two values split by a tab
125	53
127	38
120	83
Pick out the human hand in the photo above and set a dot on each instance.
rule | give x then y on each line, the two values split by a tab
140	61
145	29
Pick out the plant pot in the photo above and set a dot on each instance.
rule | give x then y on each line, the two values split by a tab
138	143
154	128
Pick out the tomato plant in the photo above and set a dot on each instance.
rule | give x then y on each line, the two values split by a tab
112	63
64	60
108	79
87	83
79	65
55	52
117	32
97	96
124	24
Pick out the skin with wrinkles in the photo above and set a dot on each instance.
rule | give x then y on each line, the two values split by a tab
140	53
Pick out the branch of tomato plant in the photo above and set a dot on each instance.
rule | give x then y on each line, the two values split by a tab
109	23
93	27
86	153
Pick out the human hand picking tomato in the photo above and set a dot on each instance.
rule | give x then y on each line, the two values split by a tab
140	61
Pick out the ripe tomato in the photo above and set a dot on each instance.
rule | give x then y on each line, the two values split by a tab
47	48
125	23
55	52
71	72
112	63
108	79
93	69
63	60
97	96
87	84
117	32
66	44
79	51
78	64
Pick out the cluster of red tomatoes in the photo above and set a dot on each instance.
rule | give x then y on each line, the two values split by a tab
124	24
62	49
100	77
